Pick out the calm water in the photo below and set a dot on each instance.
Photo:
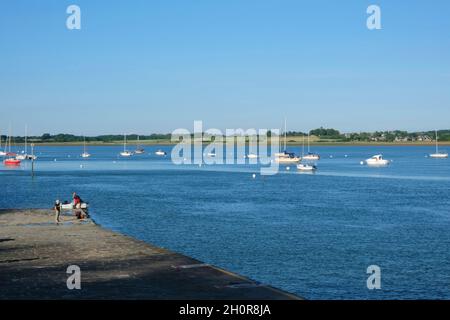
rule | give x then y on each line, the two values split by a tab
311	234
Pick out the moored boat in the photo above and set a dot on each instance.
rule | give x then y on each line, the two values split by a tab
160	153
377	160
125	152
438	154
306	167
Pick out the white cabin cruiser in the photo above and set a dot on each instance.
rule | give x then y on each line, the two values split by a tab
377	160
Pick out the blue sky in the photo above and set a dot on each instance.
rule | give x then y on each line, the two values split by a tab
153	66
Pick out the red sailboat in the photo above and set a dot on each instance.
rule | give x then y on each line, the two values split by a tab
10	160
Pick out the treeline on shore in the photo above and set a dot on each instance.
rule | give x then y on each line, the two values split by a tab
320	134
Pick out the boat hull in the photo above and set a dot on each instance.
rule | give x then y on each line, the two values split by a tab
439	155
11	162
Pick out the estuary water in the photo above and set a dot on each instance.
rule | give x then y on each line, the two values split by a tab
314	235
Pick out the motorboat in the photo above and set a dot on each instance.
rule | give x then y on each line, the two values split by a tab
160	153
71	205
306	167
377	160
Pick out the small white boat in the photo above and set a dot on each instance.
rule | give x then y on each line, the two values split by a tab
126	153
306	167
21	156
211	154
437	154
377	160
25	156
252	156
70	206
160	153
85	155
311	156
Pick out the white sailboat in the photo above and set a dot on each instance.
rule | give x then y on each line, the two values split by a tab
305	166
310	155
286	157
139	149
438	154
24	154
85	154
125	152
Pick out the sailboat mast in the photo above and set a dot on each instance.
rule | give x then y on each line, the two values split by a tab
284	134
308	143
437	148
303	146
124	142
26	137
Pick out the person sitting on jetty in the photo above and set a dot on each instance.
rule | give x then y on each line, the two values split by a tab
57	208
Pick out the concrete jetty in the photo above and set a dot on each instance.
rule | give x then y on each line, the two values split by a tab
35	254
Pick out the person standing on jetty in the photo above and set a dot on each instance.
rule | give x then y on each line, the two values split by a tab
57	208
76	201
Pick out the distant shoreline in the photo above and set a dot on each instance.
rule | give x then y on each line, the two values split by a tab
296	143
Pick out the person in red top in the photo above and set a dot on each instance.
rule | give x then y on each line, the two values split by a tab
76	201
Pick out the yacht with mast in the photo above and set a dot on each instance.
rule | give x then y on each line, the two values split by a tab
286	157
10	156
438	154
139	149
125	152
24	154
305	166
85	154
310	155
